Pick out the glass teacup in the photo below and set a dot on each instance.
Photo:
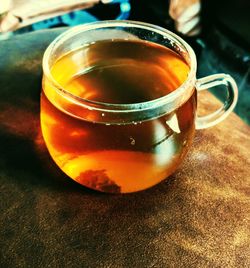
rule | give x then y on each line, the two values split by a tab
119	101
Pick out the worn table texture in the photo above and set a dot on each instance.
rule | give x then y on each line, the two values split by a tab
199	217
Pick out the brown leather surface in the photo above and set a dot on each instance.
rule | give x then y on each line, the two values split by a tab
199	217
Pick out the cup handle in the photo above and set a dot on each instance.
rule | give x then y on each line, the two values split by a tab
229	104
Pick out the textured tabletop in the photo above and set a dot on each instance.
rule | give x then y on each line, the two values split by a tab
199	217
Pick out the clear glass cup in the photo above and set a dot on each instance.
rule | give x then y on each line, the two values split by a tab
123	147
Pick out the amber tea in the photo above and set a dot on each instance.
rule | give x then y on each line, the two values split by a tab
118	157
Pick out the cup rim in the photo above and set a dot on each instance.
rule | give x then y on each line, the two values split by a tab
113	107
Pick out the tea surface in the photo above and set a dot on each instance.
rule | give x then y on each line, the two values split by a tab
121	71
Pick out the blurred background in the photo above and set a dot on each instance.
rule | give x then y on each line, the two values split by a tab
218	31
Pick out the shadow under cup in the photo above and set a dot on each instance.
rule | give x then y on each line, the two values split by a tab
118	105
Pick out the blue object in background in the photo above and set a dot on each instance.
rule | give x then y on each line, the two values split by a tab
83	16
